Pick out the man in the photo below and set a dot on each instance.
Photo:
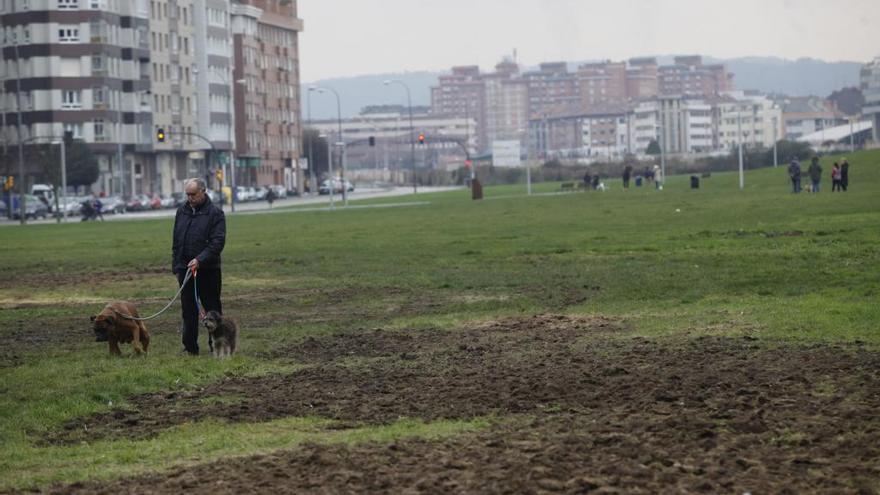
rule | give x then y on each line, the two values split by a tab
627	173
815	172
844	174
199	237
794	172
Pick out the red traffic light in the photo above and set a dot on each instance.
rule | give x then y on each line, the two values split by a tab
422	138
468	163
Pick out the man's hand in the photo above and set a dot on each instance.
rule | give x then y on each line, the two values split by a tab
193	265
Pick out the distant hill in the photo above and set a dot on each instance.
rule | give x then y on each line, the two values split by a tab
768	74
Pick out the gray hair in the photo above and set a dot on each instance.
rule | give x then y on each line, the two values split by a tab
198	182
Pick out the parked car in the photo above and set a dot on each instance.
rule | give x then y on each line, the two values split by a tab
260	193
34	207
46	194
214	195
337	185
155	202
280	191
138	202
112	204
73	207
167	201
242	194
179	199
3	211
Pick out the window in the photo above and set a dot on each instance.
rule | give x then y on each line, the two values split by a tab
99	98
71	100
68	4
99	130
75	129
68	35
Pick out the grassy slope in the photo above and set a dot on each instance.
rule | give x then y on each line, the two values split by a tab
681	262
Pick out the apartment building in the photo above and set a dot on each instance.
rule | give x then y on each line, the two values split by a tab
602	84
689	77
462	94
807	115
506	104
870	84
551	87
174	71
642	78
81	66
267	97
748	117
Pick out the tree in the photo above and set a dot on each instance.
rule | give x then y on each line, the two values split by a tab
82	165
849	100
653	148
313	141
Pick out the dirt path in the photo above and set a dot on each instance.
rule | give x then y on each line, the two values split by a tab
580	406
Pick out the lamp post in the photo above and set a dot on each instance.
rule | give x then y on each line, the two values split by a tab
330	169
742	180
775	140
412	142
314	182
21	179
341	142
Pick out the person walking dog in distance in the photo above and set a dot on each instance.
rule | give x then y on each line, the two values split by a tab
815	172
794	172
199	237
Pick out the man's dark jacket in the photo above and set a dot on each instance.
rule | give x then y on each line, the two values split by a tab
198	233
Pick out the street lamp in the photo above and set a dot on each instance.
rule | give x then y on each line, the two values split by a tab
412	142
314	182
341	143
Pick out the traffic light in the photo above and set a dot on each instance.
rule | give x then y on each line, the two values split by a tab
372	141
160	135
422	138
219	174
468	163
9	184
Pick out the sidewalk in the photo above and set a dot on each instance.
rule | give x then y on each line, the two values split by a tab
256	207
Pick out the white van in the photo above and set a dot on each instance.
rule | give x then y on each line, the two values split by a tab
45	193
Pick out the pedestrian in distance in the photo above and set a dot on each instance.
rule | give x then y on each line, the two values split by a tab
199	238
627	173
587	179
794	173
658	177
835	178
270	197
98	206
844	174
594	182
648	175
815	172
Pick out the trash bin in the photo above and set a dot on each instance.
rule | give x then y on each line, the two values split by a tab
476	190
695	182
638	182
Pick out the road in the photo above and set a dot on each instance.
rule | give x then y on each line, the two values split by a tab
257	207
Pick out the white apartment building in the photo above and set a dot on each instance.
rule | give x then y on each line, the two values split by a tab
750	118
679	125
870	84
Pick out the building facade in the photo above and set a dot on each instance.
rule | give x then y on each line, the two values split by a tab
750	118
870	84
266	81
807	115
80	66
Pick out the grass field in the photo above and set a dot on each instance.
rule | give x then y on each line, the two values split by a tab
670	267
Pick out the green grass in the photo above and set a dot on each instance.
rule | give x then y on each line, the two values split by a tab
681	262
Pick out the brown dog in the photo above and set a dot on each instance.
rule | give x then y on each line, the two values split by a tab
110	326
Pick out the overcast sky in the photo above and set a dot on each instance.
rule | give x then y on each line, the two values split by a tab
355	37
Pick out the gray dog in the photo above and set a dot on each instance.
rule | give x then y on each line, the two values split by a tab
224	333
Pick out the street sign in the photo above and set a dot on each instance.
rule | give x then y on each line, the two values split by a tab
506	153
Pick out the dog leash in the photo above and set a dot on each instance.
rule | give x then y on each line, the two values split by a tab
189	274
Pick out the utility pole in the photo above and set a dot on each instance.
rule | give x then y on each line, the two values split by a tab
742	180
21	178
